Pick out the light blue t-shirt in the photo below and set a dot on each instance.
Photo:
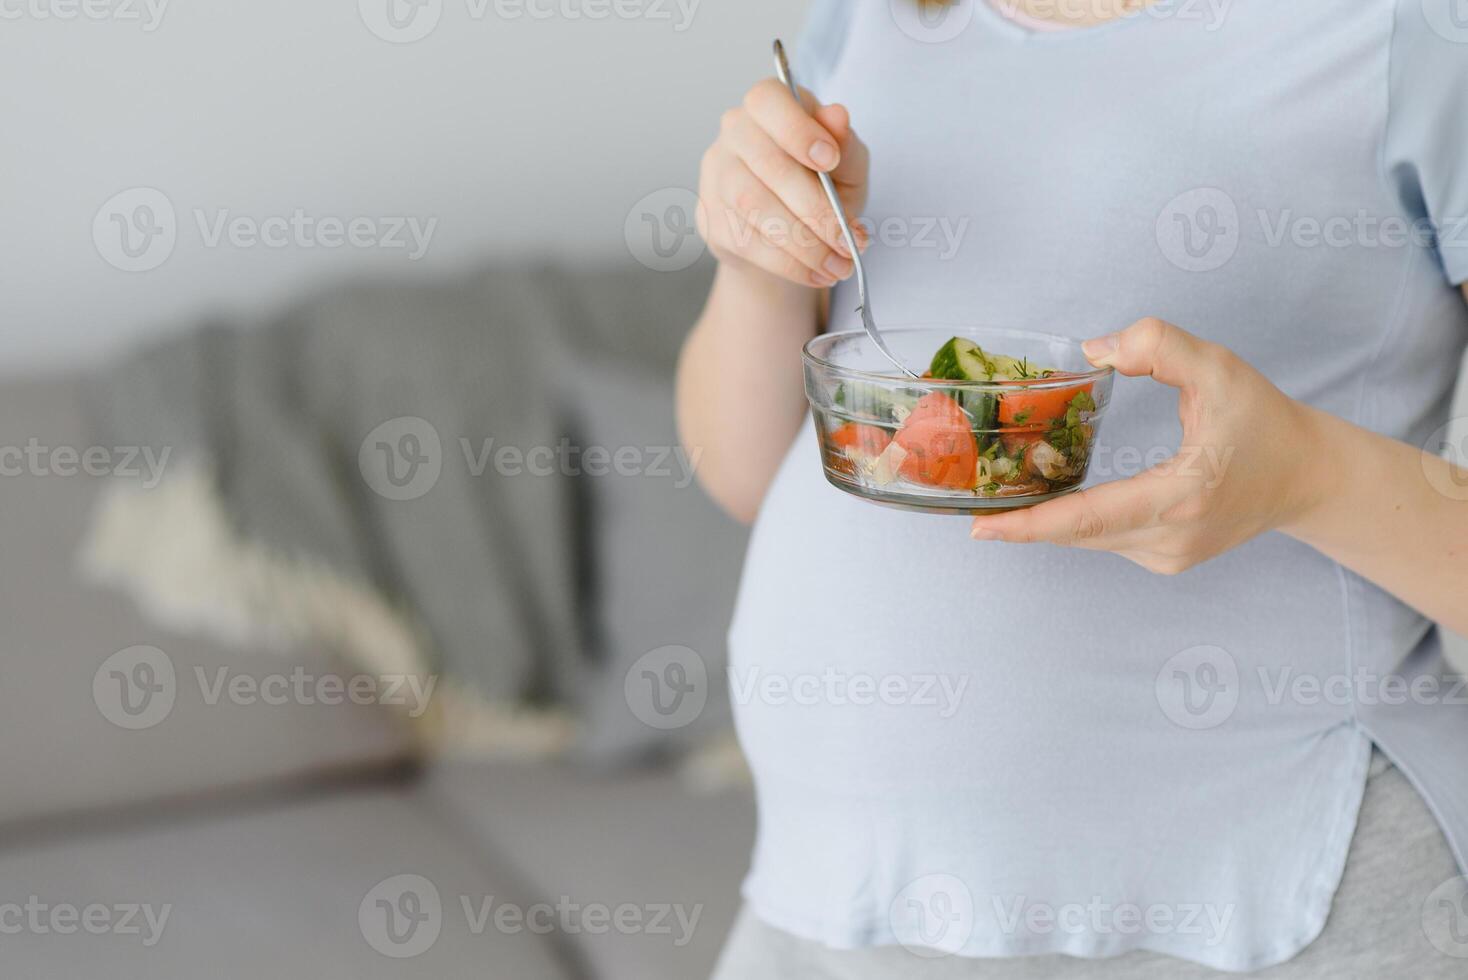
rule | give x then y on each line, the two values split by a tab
995	750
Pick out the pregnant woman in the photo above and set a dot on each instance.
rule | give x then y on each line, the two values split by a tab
1197	717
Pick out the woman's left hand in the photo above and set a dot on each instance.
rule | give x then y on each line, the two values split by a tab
1250	462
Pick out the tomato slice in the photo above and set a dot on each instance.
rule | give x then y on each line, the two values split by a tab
865	439
936	406
1025	415
1038	408
940	446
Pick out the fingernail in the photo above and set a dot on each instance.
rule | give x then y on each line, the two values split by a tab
1100	347
838	267
980	532
825	282
823	154
841	248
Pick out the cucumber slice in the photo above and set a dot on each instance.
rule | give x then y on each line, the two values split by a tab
961	360
1008	368
864	402
983	409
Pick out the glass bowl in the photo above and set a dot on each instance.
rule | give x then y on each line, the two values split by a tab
951	445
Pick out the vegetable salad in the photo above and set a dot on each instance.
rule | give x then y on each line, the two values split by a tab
992	443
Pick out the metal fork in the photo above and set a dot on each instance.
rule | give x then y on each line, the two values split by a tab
782	68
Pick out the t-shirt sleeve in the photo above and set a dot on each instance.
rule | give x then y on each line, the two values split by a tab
1427	122
818	48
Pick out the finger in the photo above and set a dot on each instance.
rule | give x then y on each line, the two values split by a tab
835	118
752	207
791	180
732	236
1101	517
778	262
1155	348
851	172
777	113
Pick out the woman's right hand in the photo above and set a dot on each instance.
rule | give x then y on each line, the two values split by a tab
763	206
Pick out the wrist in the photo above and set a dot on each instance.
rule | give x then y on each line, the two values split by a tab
752	283
752	301
1322	478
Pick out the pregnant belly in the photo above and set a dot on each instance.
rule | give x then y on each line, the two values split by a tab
874	650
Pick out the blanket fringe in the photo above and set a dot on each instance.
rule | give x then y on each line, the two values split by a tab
175	552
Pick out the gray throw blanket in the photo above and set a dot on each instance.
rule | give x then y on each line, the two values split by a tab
400	439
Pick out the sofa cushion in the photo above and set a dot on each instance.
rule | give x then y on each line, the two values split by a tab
292	889
662	561
636	839
664	571
68	649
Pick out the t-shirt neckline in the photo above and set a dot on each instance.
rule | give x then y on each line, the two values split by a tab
1025	28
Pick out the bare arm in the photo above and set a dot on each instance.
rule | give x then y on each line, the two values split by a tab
1399	517
740	394
1396	515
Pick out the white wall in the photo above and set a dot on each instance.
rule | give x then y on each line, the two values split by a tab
517	134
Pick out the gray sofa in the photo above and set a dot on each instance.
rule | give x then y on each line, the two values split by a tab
315	840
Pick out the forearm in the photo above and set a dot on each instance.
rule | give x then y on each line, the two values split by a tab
1393	514
741	397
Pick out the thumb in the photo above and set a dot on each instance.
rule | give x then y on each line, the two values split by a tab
1156	348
